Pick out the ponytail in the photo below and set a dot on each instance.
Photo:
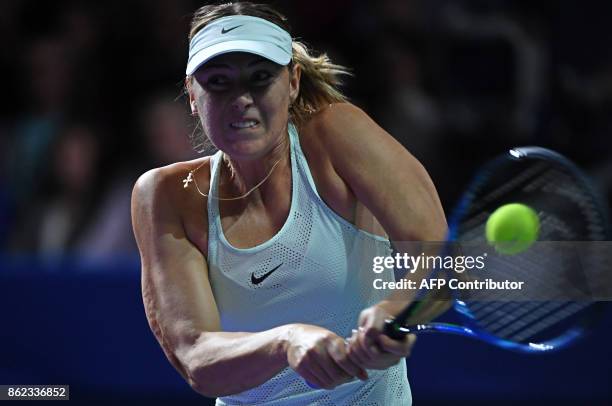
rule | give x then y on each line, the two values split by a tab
319	83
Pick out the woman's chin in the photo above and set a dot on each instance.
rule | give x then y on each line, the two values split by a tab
246	149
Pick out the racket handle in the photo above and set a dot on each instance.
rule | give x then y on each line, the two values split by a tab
392	330
393	327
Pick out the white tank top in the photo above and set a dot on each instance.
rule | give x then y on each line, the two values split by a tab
316	270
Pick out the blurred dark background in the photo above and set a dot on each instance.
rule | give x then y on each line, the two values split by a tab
92	97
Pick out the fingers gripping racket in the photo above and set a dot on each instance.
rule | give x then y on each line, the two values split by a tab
569	209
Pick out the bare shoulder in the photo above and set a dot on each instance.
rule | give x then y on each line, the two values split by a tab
160	199
379	170
342	143
334	119
165	186
344	127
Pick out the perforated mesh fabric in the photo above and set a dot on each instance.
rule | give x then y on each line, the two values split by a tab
324	278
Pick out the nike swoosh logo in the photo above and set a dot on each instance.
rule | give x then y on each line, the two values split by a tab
257	280
224	31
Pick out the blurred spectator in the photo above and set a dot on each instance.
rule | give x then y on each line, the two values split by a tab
109	236
167	23
53	222
166	126
48	70
411	113
82	29
517	106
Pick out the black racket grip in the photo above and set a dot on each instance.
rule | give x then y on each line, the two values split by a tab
392	330
393	327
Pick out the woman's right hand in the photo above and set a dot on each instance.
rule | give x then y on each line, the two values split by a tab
320	357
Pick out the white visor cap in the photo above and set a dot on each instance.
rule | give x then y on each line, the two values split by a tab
239	33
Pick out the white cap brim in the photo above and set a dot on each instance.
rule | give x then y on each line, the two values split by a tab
239	33
266	50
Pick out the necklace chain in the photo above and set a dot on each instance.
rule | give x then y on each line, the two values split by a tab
190	178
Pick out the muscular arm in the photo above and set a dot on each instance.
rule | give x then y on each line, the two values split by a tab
392	184
179	302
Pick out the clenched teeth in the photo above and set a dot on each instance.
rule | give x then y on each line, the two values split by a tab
244	124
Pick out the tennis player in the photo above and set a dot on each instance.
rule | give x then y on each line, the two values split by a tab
257	260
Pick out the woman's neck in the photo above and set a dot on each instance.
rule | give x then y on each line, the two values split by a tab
260	176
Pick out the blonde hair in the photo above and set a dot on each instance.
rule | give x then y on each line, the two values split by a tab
319	84
320	78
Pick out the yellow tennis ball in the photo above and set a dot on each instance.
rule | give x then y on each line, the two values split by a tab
512	228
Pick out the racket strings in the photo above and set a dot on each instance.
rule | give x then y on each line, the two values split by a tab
551	271
497	312
554	188
551	188
558	288
520	321
529	316
555	318
509	185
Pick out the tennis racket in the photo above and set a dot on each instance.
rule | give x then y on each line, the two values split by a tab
567	274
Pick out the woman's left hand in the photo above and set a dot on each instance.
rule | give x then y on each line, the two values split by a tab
370	348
